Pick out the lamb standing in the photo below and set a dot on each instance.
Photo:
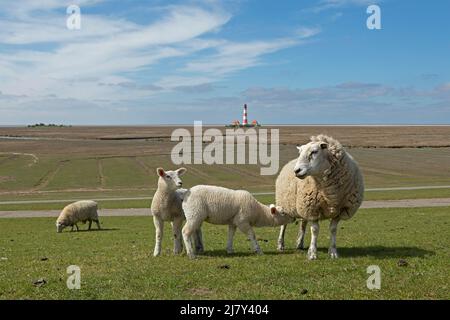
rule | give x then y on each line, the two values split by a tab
323	183
235	208
85	210
166	206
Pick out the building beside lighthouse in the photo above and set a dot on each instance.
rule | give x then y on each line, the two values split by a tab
244	124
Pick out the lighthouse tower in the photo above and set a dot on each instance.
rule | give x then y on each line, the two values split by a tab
244	116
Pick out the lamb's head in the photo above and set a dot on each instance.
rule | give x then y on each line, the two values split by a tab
315	158
170	179
279	215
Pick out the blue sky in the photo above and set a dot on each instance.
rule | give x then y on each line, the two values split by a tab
173	62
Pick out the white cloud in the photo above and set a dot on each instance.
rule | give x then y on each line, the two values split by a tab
105	61
231	56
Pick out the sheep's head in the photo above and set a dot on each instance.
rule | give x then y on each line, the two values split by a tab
60	226
313	160
279	215
170	179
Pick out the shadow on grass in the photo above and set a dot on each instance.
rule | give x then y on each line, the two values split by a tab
223	253
381	252
94	230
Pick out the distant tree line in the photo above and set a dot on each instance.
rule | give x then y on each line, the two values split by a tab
38	125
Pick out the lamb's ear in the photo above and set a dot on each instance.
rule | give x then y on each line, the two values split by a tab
273	209
160	172
181	171
299	148
324	145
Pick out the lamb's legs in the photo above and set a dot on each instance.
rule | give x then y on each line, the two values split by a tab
301	234
333	230
198	240
159	229
231	232
312	251
90	223
188	230
98	224
280	246
78	229
247	229
177	237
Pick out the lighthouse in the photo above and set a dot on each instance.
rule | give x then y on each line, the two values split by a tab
244	116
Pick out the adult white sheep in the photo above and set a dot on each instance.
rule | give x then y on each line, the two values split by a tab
323	183
166	206
235	208
80	211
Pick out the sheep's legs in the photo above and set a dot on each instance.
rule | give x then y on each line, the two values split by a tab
90	223
301	234
231	232
312	251
198	240
280	246
159	228
177	237
78	229
98	224
333	230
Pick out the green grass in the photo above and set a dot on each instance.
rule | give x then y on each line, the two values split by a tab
80	173
408	194
117	264
125	172
20	172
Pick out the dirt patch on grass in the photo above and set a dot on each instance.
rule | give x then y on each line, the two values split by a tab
203	292
6	179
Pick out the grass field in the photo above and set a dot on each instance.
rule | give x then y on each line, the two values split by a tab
108	162
116	263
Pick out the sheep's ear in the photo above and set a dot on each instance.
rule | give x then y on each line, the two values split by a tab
273	209
160	172
299	148
324	145
181	171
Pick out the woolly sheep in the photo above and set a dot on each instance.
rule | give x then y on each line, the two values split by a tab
85	210
235	208
323	183
166	206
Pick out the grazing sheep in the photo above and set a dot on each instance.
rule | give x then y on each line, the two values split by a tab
85	210
235	208
166	206
323	183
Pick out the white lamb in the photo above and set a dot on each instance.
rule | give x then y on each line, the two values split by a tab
166	206
323	183
85	210
235	208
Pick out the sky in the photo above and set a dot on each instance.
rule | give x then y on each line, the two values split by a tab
174	62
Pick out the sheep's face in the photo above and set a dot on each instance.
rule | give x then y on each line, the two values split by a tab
313	160
59	227
171	178
279	215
